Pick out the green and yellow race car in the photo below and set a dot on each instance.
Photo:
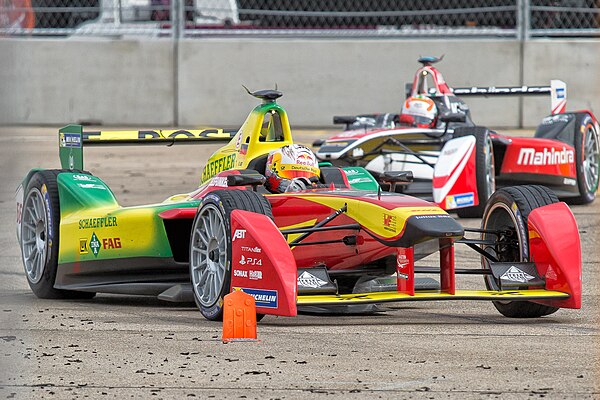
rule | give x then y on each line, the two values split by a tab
338	241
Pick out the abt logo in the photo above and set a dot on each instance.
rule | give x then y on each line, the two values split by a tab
528	156
239	234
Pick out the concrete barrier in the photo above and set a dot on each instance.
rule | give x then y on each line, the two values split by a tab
131	82
113	82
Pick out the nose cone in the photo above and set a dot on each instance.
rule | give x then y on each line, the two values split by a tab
421	228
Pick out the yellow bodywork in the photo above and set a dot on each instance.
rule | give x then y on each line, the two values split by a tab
267	128
383	297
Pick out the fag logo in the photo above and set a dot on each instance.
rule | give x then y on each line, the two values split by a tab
239	234
307	279
514	274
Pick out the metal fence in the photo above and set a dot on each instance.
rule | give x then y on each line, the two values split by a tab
521	19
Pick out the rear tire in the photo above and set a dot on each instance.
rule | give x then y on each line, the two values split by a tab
484	169
40	237
508	210
587	160
210	246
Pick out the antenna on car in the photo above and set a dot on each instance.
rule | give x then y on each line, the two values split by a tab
266	95
430	60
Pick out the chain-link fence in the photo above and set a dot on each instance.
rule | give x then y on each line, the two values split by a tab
302	18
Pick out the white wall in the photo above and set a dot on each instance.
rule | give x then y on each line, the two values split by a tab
130	82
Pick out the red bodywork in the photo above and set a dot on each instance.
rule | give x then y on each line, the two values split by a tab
556	250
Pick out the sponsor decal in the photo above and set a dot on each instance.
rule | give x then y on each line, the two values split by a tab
91	186
560	93
102	222
569	181
255	249
449	152
262	297
402	261
218	165
402	276
529	156
551	274
83	246
460	200
250	261
86	178
240	273
307	279
70	140
255	275
95	244
220	181
111	243
19	212
350	172
389	222
553	119
514	274
46	197
436	216
239	234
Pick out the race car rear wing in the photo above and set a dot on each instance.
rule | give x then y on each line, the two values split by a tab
557	91
72	139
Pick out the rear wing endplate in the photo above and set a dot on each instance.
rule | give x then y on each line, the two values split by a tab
72	138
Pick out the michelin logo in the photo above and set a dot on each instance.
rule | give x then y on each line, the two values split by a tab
262	297
460	200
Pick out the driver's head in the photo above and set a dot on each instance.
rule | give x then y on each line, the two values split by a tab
419	111
288	163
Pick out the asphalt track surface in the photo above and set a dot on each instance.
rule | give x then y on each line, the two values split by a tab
135	347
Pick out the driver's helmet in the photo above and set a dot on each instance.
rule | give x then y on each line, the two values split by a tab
288	165
419	111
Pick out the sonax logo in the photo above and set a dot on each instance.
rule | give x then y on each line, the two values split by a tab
529	156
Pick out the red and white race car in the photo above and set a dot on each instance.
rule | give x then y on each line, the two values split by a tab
456	163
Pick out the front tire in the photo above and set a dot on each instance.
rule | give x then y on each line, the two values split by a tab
210	246
484	169
40	224
507	211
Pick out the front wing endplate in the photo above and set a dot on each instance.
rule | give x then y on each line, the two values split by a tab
388	297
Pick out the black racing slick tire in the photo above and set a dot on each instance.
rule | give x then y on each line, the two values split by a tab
40	222
587	159
507	211
484	169
210	246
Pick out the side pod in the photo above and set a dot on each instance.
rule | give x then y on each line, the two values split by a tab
454	175
556	250
262	264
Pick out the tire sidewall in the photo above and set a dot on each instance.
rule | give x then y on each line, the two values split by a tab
214	311
581	132
52	210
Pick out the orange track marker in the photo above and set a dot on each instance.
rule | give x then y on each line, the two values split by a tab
239	317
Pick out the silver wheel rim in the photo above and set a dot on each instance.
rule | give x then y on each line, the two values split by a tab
506	209
490	172
208	259
34	236
591	160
